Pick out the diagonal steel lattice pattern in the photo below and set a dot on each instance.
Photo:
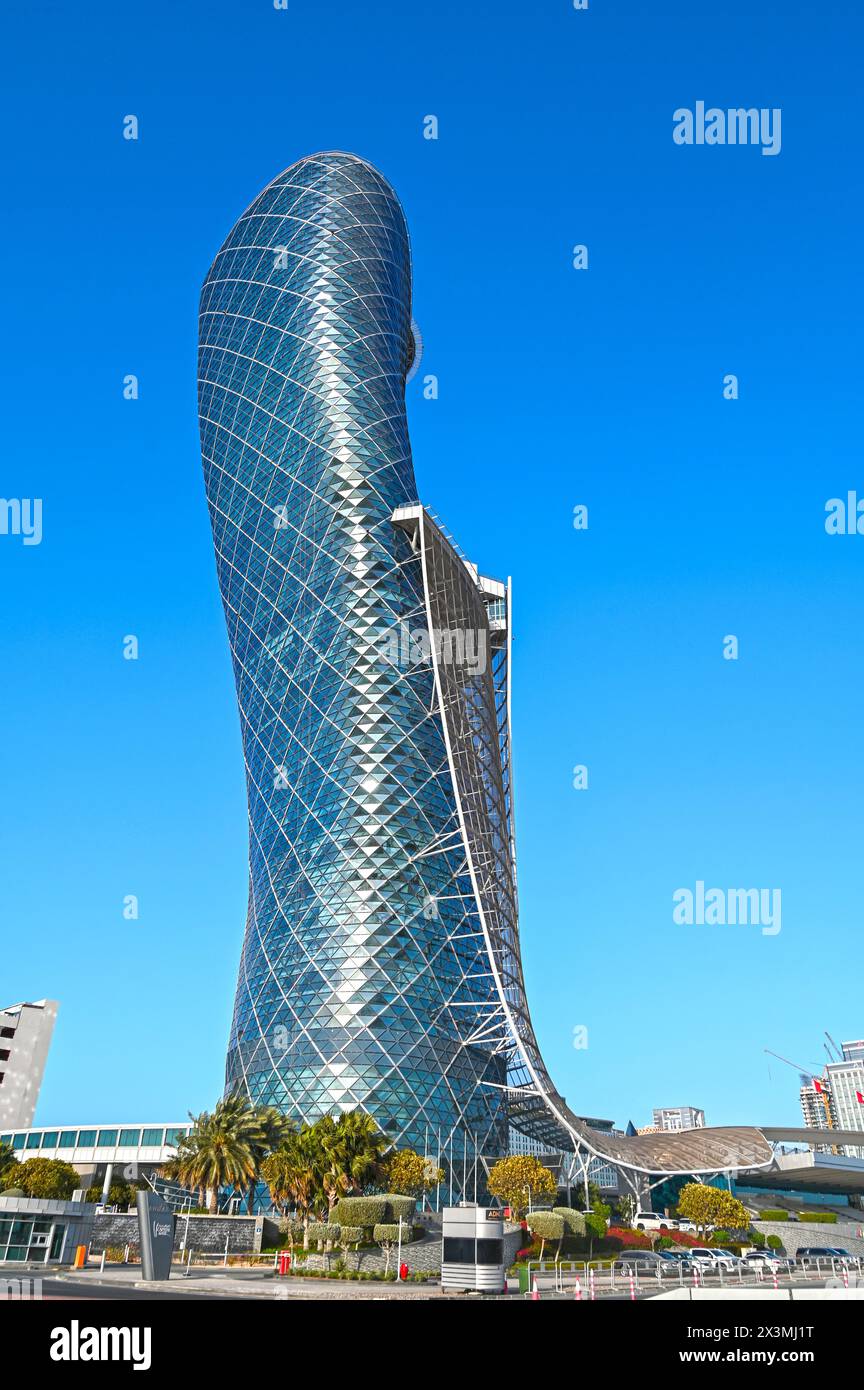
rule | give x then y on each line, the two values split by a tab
361	952
380	965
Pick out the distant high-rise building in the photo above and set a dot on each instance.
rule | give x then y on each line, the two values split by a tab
25	1037
846	1082
853	1051
671	1118
816	1108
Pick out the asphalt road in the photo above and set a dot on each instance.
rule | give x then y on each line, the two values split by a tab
85	1289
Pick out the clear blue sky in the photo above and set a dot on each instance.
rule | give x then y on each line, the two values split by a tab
557	387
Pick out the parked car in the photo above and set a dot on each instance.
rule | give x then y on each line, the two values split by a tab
732	1254
809	1254
755	1258
675	1258
650	1221
706	1259
640	1262
685	1225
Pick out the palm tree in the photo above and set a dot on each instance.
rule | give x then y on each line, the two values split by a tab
268	1130
217	1152
294	1174
357	1146
182	1167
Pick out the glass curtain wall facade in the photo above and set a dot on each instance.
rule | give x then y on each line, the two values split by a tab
362	968
380	966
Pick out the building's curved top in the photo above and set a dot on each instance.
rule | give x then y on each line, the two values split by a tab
342	233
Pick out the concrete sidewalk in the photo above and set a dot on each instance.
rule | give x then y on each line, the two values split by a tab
222	1283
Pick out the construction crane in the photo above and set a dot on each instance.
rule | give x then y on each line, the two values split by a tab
808	1072
835	1047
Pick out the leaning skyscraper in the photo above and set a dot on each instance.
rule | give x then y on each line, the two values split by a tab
380	966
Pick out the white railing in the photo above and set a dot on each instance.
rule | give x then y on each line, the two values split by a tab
559	1276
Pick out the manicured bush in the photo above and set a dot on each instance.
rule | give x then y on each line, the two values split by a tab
323	1230
827	1218
360	1211
772	1214
400	1206
291	1230
352	1234
548	1225
574	1221
775	1243
385	1230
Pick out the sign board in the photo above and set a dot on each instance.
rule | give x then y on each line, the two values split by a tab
156	1235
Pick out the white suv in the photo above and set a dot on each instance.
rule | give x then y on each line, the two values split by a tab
703	1258
650	1221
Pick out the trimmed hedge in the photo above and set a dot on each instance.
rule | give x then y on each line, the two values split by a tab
385	1230
825	1218
548	1225
769	1214
574	1221
367	1211
323	1230
352	1234
360	1211
291	1230
405	1207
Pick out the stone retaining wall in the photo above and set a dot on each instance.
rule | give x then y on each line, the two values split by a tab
245	1234
794	1234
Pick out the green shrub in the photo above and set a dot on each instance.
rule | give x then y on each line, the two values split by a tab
574	1221
400	1206
291	1230
775	1243
352	1234
770	1214
361	1211
827	1218
758	1239
48	1178
323	1230
385	1230
548	1225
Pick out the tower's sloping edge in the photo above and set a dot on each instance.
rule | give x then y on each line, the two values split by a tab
474	706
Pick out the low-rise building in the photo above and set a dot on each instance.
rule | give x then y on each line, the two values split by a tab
125	1152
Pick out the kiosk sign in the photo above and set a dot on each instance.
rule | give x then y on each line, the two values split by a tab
156	1235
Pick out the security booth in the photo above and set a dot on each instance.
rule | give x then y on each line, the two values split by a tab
472	1255
43	1231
